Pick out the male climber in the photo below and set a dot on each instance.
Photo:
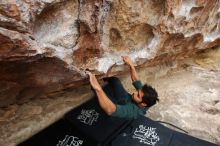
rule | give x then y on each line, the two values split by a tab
118	102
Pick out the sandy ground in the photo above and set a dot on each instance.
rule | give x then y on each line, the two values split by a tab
189	93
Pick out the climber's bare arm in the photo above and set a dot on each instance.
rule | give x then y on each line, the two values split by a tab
106	104
134	75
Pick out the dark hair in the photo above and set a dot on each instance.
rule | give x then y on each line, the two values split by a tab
150	95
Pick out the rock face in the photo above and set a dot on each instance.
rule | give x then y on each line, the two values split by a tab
46	44
189	93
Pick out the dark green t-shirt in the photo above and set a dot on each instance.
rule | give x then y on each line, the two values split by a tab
129	109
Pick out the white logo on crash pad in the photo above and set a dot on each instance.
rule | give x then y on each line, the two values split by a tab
88	116
146	135
70	141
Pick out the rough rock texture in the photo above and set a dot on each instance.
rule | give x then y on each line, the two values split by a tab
189	92
45	44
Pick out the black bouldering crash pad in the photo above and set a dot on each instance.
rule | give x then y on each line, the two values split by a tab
89	125
142	132
61	133
180	139
146	132
93	122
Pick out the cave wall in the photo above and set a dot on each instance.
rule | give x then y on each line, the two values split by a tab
46	44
